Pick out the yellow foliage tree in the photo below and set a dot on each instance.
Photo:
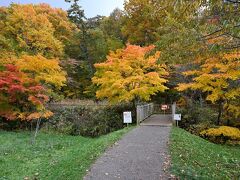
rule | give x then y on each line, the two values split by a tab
219	77
46	71
129	75
34	29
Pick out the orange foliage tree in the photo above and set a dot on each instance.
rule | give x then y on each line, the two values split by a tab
128	74
21	97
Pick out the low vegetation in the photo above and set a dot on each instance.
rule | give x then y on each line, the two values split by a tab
52	156
93	120
195	158
222	134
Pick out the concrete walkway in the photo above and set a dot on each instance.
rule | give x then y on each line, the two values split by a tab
158	120
141	154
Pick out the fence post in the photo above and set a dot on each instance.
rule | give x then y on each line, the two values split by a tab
173	110
138	115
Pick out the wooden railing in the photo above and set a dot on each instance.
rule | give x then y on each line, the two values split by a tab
144	111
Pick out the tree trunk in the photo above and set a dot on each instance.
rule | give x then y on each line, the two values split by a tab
219	112
201	100
36	131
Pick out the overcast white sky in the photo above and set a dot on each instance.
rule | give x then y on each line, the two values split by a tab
91	7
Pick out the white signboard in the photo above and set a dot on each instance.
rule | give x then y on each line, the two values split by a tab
127	117
177	117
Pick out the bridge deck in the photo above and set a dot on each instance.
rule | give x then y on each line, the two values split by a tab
158	120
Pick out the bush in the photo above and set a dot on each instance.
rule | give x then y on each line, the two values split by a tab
14	125
195	114
222	134
196	129
87	120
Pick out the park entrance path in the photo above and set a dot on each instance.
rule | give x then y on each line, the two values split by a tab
139	155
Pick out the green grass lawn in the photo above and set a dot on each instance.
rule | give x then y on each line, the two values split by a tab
52	157
195	158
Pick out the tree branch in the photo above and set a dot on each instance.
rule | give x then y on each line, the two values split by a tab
232	1
213	37
219	30
233	47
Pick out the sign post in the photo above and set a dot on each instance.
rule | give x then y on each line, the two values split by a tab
127	117
177	117
164	107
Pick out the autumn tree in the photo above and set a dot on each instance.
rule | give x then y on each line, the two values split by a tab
146	20
46	72
221	21
21	97
219	63
218	77
179	29
129	75
34	37
34	29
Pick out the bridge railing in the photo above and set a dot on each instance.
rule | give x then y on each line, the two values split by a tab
144	111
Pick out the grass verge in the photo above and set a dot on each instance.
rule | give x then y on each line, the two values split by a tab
195	158
52	157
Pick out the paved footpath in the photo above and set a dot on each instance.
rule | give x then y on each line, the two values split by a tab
139	155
